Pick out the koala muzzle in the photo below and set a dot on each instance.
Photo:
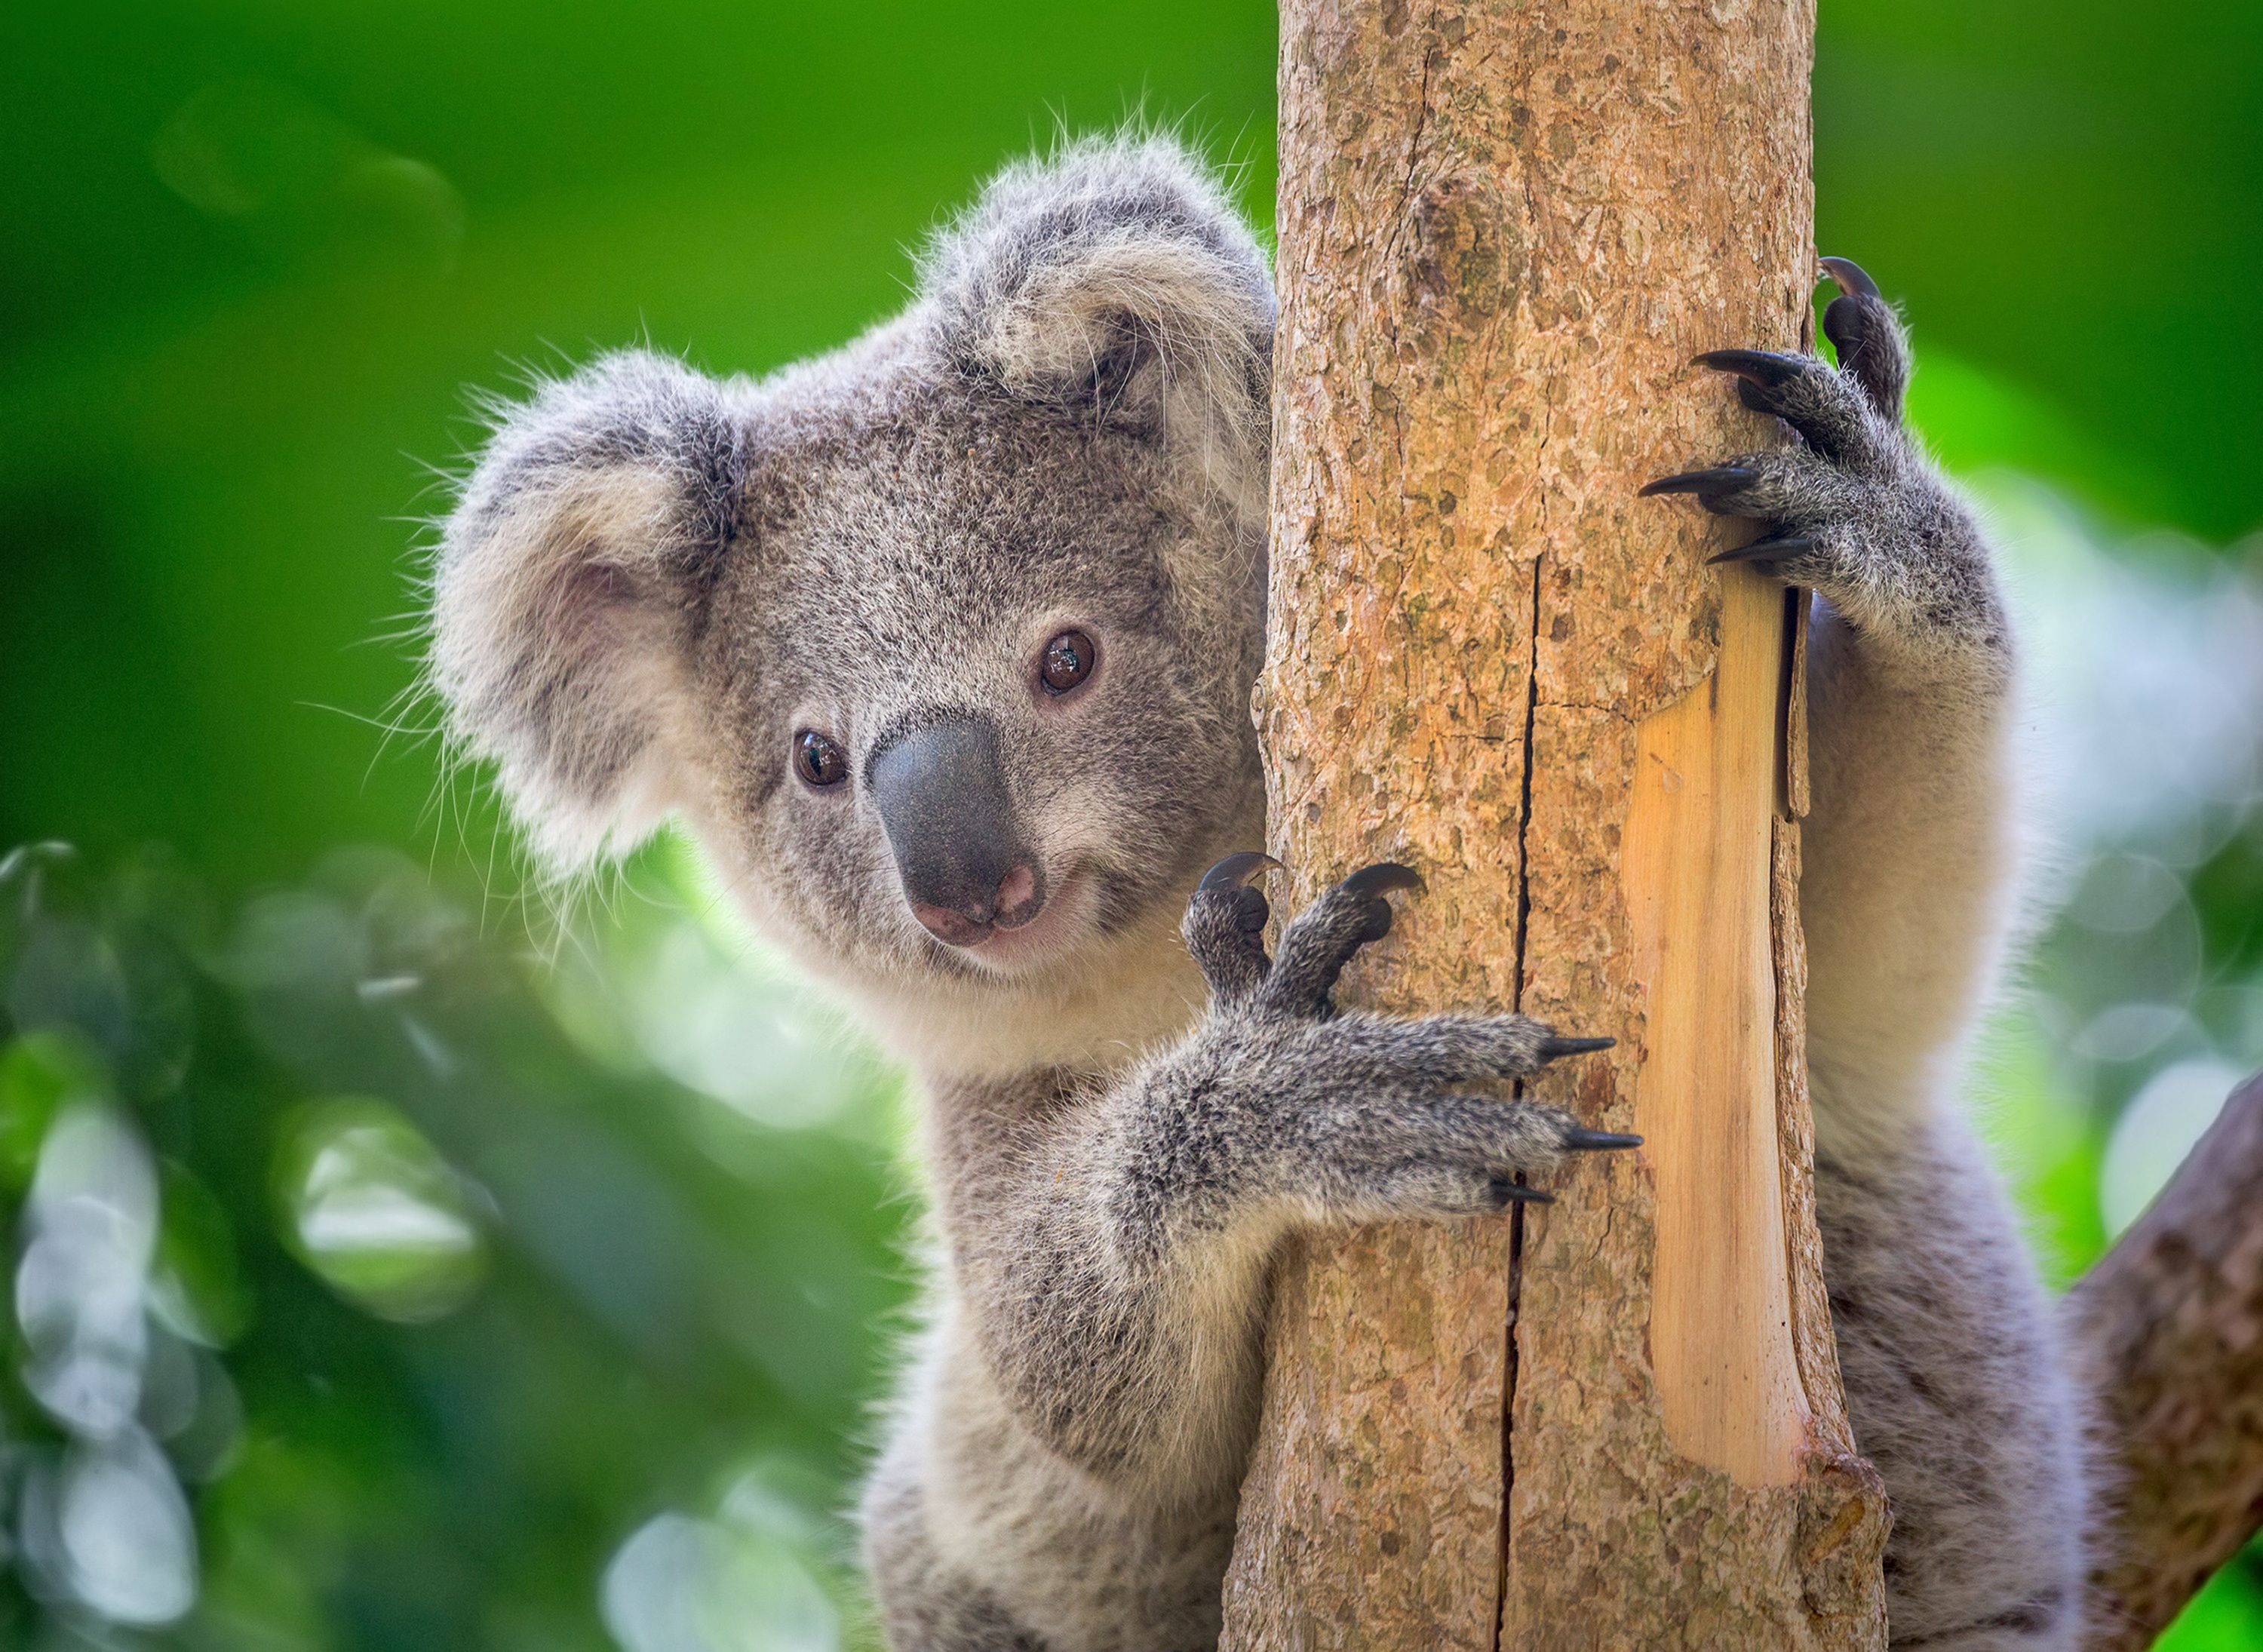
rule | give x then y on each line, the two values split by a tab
951	821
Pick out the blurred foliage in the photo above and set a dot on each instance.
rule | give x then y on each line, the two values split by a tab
432	1366
394	1270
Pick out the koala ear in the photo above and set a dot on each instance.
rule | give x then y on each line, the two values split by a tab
1116	277
572	578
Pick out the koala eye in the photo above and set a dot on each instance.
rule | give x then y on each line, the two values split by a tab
1069	660
818	760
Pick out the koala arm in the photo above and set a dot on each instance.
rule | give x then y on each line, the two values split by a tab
1956	1385
1907	869
1111	1242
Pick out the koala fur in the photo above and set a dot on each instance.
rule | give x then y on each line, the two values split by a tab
812	617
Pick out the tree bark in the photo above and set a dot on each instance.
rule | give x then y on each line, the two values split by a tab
2171	1324
1616	1421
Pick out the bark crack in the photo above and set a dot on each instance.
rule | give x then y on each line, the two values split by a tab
1508	1415
1516	1002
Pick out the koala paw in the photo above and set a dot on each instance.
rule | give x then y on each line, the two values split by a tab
1365	1114
1855	511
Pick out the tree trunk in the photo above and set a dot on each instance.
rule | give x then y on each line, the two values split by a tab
2171	1322
1616	1421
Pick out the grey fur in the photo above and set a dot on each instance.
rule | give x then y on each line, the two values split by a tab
654	580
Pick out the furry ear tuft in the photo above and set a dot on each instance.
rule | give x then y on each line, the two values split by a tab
571	579
1117	276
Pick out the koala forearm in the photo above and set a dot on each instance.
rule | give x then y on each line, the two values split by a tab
1113	1301
1907	853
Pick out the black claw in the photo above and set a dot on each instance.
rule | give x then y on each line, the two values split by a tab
1721	479
1767	550
1593	1139
1552	1048
1237	872
1757	367
1250	911
1850	277
1381	878
1716	481
1504	1192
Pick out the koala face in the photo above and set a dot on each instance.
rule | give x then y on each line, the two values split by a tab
981	692
943	644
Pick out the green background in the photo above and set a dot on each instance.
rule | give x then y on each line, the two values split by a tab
500	1275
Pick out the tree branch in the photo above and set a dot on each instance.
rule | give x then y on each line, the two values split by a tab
2170	1326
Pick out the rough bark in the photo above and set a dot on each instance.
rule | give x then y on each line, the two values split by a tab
2171	1324
1616	1421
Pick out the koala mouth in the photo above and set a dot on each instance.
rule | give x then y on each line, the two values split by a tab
1018	901
1018	941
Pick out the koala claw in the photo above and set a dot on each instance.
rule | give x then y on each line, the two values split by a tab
1773	549
1238	871
1764	367
1850	277
1552	1047
1599	1140
1504	1192
1370	883
1708	485
1383	876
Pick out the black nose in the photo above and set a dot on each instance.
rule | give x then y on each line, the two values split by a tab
950	820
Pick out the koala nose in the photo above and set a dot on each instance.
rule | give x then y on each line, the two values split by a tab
950	820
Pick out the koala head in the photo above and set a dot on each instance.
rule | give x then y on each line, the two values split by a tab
942	644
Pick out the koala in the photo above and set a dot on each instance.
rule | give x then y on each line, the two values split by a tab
941	647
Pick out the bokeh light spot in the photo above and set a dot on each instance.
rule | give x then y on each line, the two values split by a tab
375	1210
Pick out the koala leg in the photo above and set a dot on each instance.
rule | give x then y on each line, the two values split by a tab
1957	1392
1956	1385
